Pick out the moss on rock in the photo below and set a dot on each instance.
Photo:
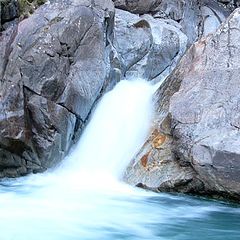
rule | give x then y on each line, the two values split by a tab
27	7
11	9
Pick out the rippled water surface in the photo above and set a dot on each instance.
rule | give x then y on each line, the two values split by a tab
83	198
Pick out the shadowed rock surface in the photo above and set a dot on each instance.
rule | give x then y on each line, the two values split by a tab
17	9
194	146
9	10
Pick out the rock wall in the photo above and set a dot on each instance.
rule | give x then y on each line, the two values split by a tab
197	18
194	146
54	67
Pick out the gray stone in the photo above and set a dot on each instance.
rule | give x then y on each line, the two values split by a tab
207	131
194	146
137	6
147	48
197	18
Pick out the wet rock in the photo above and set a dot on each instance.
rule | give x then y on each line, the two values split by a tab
54	67
198	113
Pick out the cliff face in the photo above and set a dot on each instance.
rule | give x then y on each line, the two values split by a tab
194	146
54	66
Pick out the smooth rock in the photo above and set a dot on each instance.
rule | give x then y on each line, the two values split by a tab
147	48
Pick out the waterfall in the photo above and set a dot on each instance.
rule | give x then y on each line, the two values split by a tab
117	130
84	199
90	175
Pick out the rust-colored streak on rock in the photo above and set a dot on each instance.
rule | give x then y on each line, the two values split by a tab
158	140
144	159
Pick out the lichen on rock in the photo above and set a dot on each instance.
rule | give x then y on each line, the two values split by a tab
27	7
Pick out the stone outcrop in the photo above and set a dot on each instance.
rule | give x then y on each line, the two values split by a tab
146	47
194	146
197	18
54	66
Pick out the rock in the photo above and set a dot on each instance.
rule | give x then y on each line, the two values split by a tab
137	6
9	10
54	67
197	18
231	4
206	134
147	48
198	116
132	43
6	38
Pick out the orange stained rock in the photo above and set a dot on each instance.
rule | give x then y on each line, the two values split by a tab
144	159
158	140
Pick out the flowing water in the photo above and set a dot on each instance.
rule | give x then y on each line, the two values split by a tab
83	199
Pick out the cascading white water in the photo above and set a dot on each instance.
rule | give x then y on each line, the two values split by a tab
117	130
85	200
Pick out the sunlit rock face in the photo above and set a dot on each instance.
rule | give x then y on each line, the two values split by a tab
194	146
54	66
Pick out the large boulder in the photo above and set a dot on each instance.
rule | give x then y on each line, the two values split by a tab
146	47
194	146
54	66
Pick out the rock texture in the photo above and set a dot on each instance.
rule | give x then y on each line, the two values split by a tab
54	66
146	47
194	146
197	18
231	4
